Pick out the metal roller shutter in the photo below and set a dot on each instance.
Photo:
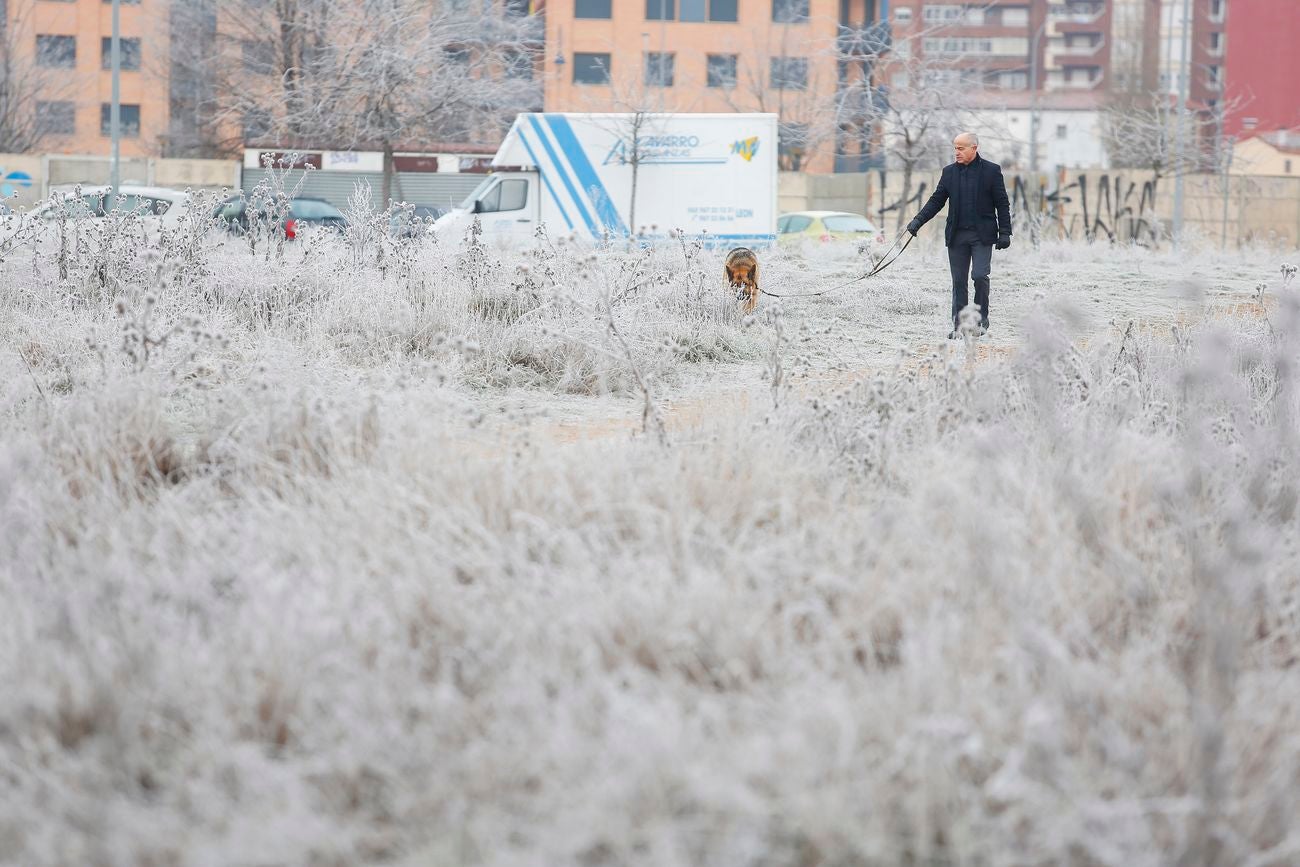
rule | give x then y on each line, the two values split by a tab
418	188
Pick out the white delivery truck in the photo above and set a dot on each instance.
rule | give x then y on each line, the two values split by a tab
711	176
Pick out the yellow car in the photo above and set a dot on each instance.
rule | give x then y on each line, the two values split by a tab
798	228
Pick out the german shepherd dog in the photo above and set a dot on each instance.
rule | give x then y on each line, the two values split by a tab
741	273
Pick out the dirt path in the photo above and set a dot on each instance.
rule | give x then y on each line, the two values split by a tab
686	410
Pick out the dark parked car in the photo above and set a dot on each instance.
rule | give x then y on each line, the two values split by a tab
303	212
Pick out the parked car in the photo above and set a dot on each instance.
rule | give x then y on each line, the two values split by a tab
304	212
158	206
799	227
413	223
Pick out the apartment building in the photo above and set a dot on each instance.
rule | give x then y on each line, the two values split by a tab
1205	24
62	48
1077	45
783	56
1007	44
1262	88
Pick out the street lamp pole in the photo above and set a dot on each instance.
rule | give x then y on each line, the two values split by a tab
1033	97
115	109
1184	74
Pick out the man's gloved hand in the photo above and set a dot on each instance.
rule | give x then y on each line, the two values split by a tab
914	227
1004	241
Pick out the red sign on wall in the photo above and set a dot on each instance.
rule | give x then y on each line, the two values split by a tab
415	164
286	160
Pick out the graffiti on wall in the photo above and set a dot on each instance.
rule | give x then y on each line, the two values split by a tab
1111	207
1108	206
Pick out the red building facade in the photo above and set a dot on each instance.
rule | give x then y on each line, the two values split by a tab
1263	66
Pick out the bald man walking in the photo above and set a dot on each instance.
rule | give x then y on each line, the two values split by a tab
979	219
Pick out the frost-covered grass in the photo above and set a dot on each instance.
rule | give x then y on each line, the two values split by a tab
320	578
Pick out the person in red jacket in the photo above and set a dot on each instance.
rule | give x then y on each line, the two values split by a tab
979	219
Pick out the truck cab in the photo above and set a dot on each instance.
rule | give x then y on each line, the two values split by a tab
508	207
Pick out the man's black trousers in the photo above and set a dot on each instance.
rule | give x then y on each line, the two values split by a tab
969	259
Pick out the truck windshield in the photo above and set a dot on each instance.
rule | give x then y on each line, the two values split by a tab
468	203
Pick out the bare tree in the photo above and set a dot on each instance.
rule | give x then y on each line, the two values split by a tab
373	74
916	114
785	73
24	122
1139	130
191	69
638	108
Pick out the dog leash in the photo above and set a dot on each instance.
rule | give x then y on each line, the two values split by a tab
884	262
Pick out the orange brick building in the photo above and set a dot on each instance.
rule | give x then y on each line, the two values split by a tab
63	46
706	55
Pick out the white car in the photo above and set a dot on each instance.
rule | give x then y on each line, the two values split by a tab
159	207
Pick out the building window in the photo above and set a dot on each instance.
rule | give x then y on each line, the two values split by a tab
720	70
590	68
789	11
1217	10
659	69
1288	166
1216	42
690	10
130	48
57	118
255	123
130	120
1214	77
591	8
935	14
1014	80
792	144
257	57
722	10
903	14
995	46
519	65
1062	131
789	73
57	52
1015	16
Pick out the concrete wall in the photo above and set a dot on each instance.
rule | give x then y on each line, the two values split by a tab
799	191
1084	204
26	179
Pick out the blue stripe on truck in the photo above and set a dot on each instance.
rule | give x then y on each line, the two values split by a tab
547	181
586	173
564	176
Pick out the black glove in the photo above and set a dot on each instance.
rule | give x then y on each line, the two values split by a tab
1004	241
914	227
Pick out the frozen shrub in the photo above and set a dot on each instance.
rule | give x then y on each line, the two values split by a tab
369	562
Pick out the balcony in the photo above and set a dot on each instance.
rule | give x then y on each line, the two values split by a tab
1074	15
1057	81
1074	55
1078	50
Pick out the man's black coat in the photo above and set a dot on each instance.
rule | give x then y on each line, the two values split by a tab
992	209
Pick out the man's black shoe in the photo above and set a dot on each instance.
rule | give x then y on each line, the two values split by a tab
953	335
